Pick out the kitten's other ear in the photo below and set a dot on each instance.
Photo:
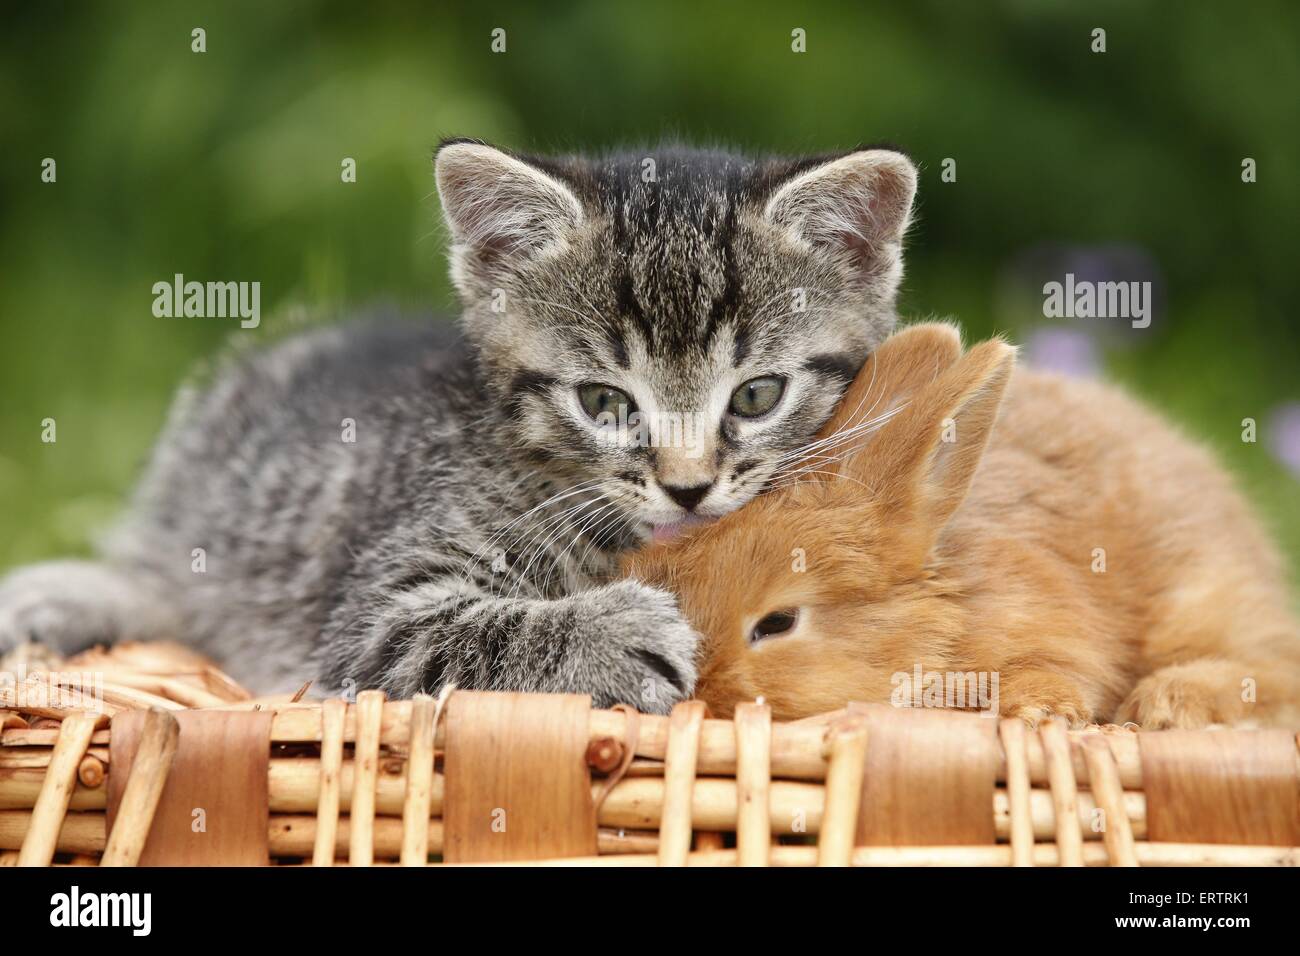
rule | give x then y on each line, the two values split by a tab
856	207
498	206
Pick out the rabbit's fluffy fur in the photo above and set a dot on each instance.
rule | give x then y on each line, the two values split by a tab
964	515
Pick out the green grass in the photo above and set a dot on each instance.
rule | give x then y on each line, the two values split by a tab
225	165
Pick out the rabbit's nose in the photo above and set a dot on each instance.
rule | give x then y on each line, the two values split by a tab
688	497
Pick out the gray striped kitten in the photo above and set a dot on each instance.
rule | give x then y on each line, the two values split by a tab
647	340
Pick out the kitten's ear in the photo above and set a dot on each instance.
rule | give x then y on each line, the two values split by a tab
856	207
498	206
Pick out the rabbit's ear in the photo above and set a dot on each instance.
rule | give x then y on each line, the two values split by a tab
923	459
905	362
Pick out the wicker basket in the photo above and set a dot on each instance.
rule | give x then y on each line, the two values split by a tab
149	755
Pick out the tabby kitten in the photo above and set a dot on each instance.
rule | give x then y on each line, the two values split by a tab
647	339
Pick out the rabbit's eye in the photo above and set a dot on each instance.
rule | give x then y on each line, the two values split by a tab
774	625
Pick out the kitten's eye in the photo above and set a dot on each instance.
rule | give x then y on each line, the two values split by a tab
604	400
757	397
774	625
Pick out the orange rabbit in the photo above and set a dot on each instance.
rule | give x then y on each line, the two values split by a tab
1046	545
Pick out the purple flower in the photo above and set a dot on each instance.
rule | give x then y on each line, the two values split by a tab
1068	351
1283	435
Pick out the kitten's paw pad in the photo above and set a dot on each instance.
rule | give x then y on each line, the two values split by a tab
1190	697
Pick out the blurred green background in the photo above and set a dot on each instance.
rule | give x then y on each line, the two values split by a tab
225	165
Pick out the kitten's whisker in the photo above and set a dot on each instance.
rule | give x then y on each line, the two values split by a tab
608	511
520	535
576	528
530	552
543	547
840	439
790	483
484	548
814	463
543	534
837	436
619	521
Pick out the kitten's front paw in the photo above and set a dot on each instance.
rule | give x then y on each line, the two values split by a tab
35	612
64	607
641	650
29	658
